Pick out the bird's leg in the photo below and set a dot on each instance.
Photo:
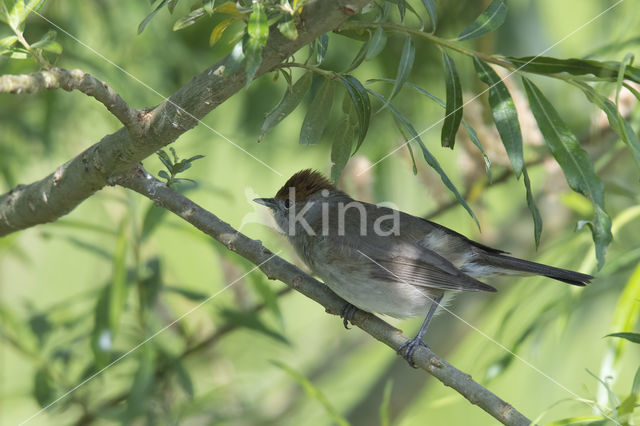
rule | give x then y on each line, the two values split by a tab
347	313
408	348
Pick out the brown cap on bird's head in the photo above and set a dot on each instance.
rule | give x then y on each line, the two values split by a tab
305	183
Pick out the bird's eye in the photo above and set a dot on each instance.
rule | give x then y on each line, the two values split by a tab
287	203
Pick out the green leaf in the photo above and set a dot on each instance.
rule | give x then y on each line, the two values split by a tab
252	321
429	158
189	19
313	393
172	5
632	337
235	59
288	28
287	104
257	27
378	41
433	14
627	310
404	68
360	99
258	31
151	285
359	58
627	61
119	290
43	387
488	21
402	7
385	411
548	65
165	159
504	114
192	295
7	42
16	13
575	163
268	295
102	335
322	46
473	137
316	119
343	140
208	6
142	384
150	16
163	175
616	121
453	111
49	46
531	203
184	379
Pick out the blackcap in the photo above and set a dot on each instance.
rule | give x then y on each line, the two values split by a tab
385	261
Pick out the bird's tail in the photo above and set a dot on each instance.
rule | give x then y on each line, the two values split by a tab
510	265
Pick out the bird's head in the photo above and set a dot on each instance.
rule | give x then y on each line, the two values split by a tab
304	187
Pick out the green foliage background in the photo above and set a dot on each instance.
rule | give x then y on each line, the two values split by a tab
52	277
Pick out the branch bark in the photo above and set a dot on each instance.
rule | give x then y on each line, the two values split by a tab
279	269
73	182
58	78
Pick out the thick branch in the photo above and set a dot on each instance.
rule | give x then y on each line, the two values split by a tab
277	268
58	78
73	182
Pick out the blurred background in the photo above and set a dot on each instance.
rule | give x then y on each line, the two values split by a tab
257	353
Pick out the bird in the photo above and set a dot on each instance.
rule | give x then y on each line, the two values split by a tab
385	261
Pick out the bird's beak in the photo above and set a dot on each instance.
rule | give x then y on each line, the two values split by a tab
269	202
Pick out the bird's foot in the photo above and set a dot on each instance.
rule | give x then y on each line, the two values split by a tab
347	313
409	347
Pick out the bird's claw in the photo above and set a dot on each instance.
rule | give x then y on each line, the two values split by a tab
347	313
409	347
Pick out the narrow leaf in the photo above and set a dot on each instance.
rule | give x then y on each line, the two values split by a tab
632	337
488	21
433	14
43	387
575	163
150	16
323	46
504	114
548	65
288	103
429	158
627	61
473	136
378	41
404	68
360	99
453	111
218	30
313	392
316	119
118	292
189	19
616	121
533	208
288	28
343	140
252	321
359	58
258	31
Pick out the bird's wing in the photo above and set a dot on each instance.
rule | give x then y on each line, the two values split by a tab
397	260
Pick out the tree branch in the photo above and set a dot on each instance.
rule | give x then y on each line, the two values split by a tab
76	180
58	78
277	268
